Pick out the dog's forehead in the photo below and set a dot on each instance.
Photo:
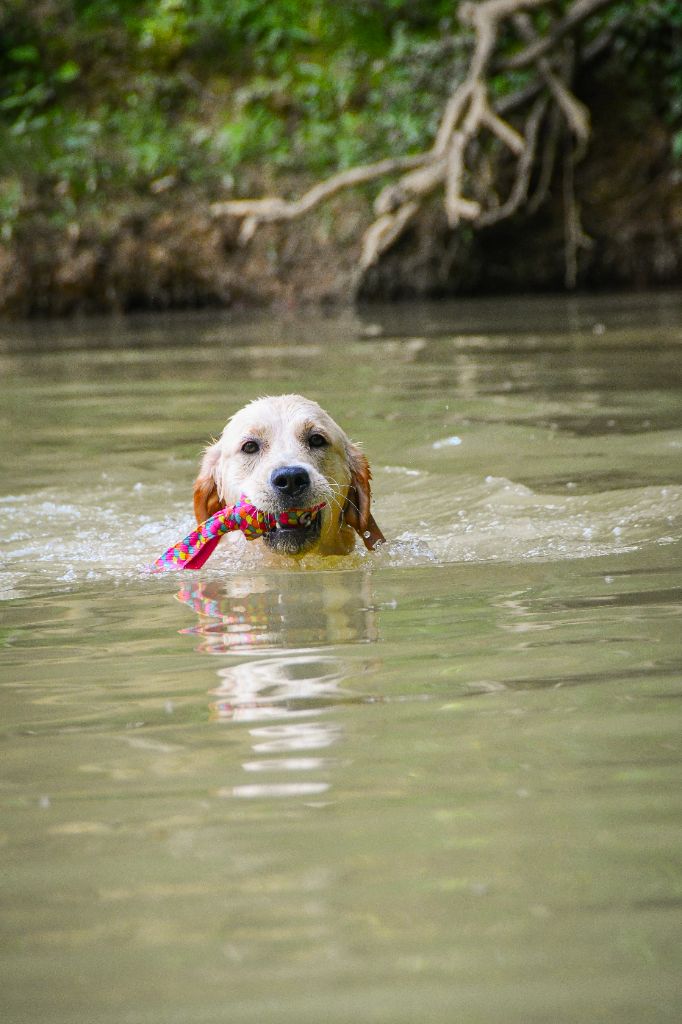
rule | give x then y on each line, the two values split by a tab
284	415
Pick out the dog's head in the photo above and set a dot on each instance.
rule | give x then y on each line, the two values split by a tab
284	453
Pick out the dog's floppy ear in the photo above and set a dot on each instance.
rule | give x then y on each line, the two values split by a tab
357	508
206	498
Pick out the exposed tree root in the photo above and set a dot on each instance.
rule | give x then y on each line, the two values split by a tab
473	134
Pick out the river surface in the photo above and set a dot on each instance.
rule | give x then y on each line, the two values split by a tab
439	783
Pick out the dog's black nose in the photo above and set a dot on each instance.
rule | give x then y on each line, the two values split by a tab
290	481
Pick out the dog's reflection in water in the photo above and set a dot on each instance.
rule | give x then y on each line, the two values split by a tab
286	694
285	611
286	703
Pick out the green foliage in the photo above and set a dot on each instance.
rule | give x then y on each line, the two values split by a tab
111	95
11	204
650	49
104	98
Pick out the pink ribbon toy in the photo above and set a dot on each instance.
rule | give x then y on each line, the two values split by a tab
193	551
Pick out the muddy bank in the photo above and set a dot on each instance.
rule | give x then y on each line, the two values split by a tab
167	251
173	254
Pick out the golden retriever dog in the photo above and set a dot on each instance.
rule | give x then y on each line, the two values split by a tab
287	452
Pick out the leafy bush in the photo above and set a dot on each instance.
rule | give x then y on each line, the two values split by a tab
108	97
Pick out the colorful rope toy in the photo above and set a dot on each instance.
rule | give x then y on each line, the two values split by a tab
195	549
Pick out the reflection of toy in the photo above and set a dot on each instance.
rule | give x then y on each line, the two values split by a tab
192	552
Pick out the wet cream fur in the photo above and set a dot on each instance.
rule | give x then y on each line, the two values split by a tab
282	427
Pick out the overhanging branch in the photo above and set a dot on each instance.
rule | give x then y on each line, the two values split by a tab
472	127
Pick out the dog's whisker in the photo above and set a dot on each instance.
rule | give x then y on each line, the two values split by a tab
348	500
336	491
351	502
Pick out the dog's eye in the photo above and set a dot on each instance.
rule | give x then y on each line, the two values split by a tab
318	441
250	447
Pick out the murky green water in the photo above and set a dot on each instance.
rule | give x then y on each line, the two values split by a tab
437	784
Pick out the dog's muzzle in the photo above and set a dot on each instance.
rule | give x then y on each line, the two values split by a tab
295	535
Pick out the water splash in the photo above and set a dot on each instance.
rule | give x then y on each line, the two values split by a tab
114	535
